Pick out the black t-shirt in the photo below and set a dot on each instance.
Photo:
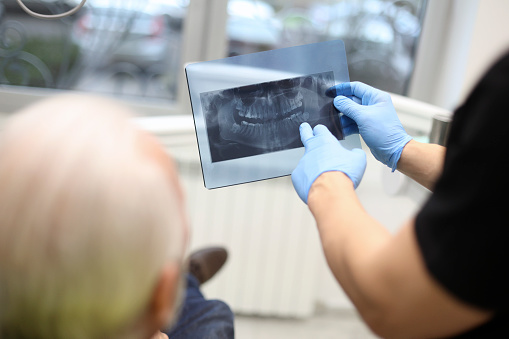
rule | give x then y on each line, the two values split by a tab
463	228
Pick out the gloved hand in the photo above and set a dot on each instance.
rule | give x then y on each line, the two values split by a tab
377	121
324	153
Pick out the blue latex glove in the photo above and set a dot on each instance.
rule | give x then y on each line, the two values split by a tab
374	117
324	153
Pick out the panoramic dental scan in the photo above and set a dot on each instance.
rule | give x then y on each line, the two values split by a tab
247	109
265	117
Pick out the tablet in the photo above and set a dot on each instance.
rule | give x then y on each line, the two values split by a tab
247	109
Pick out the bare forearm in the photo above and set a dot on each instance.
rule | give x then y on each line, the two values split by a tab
422	162
384	275
349	236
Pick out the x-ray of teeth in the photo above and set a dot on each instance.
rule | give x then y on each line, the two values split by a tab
265	117
247	109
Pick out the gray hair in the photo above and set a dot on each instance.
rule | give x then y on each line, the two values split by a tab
87	220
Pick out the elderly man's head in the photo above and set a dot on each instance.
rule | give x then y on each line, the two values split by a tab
92	224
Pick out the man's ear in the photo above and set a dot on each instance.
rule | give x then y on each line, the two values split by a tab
165	295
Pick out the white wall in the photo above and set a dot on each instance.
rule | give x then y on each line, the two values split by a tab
490	39
460	39
441	54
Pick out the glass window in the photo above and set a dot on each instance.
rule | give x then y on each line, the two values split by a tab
120	47
134	49
380	35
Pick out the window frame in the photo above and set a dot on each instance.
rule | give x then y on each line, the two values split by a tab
198	28
205	38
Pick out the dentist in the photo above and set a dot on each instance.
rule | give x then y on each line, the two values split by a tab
441	275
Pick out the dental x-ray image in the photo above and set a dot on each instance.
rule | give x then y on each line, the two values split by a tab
265	117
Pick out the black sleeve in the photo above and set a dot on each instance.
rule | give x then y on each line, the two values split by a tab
462	230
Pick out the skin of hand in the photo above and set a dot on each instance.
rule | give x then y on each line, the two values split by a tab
159	335
372	111
422	162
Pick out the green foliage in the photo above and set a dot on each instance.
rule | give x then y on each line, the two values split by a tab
40	63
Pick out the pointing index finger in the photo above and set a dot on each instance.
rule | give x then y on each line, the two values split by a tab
306	132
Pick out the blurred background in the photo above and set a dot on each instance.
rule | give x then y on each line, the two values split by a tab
428	54
430	50
134	47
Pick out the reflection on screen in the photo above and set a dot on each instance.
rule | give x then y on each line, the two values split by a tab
265	117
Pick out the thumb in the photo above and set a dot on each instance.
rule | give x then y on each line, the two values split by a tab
348	125
348	107
321	130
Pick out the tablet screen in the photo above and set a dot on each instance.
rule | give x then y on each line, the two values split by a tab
247	109
265	117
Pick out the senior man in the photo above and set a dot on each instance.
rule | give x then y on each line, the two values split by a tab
93	230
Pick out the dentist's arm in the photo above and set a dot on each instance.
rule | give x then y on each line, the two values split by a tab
422	162
375	118
383	275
